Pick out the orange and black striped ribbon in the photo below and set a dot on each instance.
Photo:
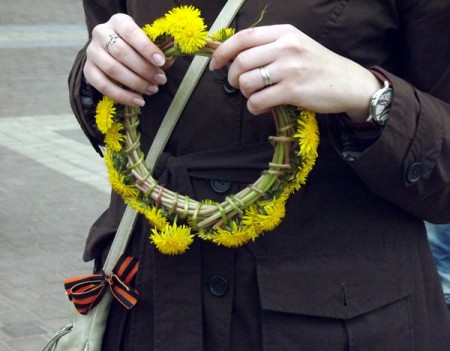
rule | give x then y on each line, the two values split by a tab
86	291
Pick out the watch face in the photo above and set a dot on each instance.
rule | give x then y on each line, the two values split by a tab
381	106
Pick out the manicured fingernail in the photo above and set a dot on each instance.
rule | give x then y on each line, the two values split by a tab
138	101
151	90
158	59
212	64
160	78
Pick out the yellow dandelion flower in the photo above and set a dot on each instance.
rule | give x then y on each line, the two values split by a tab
173	240
307	166
137	204
176	17
307	134
104	114
153	214
308	114
114	137
155	217
107	156
275	212
223	34
250	217
191	37
205	235
293	185
252	221
158	28
117	180
284	196
119	186
235	237
254	232
190	41
187	28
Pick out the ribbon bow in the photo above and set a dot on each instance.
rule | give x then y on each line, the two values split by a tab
86	291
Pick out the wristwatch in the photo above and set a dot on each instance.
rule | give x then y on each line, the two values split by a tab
380	104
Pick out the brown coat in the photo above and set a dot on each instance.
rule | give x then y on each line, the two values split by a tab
350	267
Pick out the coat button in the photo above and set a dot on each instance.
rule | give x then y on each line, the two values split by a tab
218	286
220	186
228	88
414	172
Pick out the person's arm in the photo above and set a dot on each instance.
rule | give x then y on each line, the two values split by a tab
130	67
409	163
83	99
81	95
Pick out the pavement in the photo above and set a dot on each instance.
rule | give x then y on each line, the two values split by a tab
52	183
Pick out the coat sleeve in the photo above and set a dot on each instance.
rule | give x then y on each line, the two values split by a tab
410	162
82	97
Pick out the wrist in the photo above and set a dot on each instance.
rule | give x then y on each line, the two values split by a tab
360	111
377	110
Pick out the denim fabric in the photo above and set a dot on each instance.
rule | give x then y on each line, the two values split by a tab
439	238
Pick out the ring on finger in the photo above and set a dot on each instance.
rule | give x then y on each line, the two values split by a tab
112	39
267	81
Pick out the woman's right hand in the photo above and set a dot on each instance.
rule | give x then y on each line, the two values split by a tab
127	67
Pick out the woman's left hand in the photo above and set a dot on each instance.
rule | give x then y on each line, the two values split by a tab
302	72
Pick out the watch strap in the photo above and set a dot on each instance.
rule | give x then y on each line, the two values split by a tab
375	100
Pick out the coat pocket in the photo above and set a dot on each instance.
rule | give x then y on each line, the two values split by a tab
355	301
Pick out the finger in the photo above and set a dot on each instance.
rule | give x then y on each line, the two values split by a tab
241	41
126	55
265	99
129	31
257	79
107	87
118	72
250	60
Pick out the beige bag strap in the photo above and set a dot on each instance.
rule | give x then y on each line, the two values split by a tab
183	94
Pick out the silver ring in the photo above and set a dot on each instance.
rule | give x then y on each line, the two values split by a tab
112	38
265	76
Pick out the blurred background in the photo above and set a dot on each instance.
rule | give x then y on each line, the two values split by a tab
52	183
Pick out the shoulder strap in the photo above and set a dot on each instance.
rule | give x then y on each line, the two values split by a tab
183	94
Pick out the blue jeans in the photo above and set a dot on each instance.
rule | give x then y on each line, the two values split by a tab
439	239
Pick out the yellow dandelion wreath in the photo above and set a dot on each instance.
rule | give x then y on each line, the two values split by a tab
241	217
